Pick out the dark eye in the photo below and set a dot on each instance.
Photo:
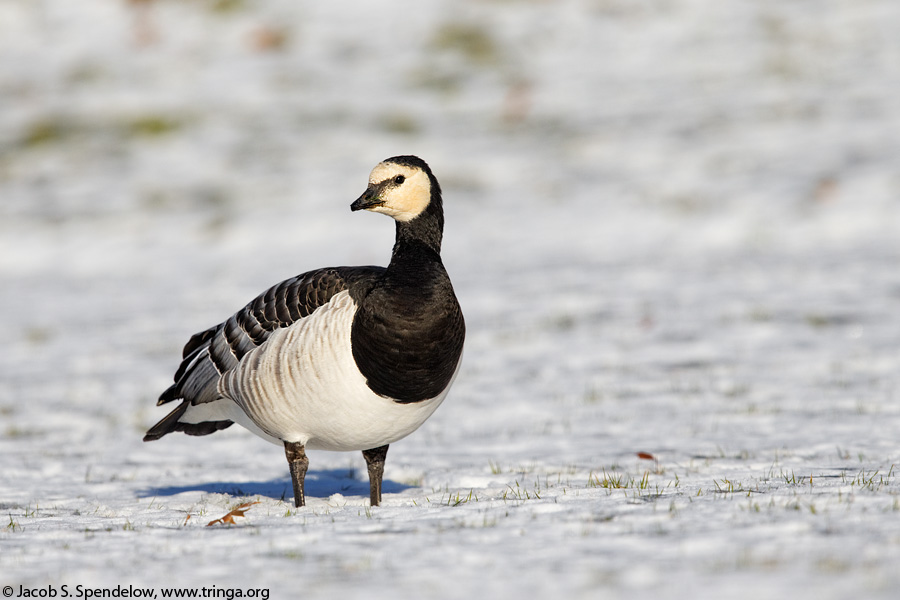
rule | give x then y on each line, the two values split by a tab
399	179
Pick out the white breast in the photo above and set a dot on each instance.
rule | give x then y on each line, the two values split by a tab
302	385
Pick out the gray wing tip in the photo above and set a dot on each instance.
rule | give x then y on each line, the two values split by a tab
167	396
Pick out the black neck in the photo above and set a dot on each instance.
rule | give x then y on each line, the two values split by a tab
427	229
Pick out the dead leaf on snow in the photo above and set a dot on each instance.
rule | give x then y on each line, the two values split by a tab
238	511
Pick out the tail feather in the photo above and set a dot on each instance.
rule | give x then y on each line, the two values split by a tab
168	424
171	423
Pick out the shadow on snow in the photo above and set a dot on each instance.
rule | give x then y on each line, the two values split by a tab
318	484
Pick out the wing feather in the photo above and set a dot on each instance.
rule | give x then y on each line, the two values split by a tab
212	353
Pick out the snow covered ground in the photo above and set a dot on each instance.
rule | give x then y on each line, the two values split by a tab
672	224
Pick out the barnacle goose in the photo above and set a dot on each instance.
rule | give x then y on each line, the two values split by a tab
343	358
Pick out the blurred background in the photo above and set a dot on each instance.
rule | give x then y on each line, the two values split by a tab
672	226
668	185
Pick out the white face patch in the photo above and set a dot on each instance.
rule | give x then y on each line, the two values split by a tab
403	201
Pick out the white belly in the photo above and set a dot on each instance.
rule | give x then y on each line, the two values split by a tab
303	385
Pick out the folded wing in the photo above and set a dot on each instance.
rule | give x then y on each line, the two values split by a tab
210	354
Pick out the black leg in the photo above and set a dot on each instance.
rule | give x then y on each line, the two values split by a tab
296	457
375	463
